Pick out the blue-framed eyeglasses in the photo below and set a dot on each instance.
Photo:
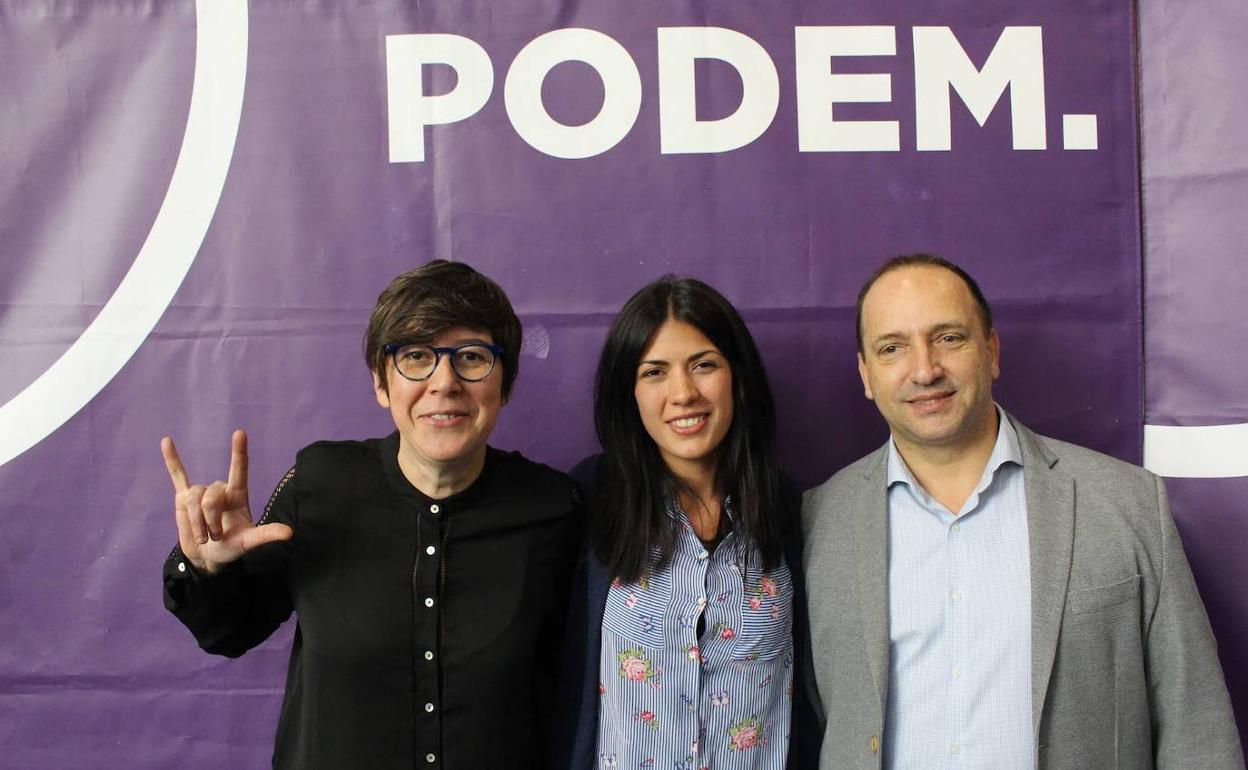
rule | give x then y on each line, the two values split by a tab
472	362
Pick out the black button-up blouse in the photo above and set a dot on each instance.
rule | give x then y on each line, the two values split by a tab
426	628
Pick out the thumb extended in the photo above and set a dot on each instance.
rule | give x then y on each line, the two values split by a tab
266	533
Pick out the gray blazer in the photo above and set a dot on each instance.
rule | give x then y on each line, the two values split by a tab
1124	668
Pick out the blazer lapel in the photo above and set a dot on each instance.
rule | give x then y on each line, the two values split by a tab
1051	531
871	555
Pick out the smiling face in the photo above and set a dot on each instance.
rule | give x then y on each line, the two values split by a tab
684	396
443	421
927	360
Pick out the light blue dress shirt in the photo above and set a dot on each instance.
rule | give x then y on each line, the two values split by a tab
959	613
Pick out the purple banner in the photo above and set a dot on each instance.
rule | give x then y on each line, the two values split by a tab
1195	177
201	202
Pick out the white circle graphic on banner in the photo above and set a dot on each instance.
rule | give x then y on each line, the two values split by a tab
171	245
1196	451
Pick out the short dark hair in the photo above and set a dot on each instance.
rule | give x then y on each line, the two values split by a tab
635	483
420	304
928	260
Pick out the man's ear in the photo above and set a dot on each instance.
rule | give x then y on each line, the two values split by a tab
994	352
862	373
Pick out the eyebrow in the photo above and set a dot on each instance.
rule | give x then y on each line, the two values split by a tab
943	326
456	343
694	357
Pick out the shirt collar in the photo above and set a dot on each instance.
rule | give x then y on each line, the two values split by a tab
399	483
675	510
1005	450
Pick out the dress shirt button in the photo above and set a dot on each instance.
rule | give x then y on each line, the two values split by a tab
430	758
957	672
429	602
181	566
702	555
428	707
431	550
875	744
956	527
428	654
956	596
955	749
434	509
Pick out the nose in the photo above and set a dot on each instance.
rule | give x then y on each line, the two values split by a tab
444	379
682	389
927	368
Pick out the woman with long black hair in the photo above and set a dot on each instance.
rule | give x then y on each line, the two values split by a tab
685	621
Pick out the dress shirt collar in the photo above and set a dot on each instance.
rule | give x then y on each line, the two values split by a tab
1005	450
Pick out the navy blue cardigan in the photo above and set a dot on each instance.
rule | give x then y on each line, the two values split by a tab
576	721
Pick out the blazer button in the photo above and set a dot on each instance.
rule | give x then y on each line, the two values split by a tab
875	744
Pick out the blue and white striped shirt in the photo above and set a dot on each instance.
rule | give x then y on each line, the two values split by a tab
673	700
959	693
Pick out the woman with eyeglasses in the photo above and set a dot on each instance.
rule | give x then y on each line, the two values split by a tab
426	569
687	622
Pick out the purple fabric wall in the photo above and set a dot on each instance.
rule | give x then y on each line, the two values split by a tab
312	220
1195	179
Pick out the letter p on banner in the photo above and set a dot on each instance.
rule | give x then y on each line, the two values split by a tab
410	109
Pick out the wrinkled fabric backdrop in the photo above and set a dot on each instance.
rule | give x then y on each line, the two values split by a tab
199	203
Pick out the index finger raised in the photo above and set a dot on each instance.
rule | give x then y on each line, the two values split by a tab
238	460
173	463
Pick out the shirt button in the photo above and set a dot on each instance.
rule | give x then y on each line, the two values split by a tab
429	602
428	707
430	758
181	566
431	550
433	509
957	672
956	596
955	749
702	555
956	527
428	654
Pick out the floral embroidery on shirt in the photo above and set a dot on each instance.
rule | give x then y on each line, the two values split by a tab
610	760
725	632
720	698
747	734
636	667
693	652
647	718
766	588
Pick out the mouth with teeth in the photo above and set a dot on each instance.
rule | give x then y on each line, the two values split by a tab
931	402
443	419
688	425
